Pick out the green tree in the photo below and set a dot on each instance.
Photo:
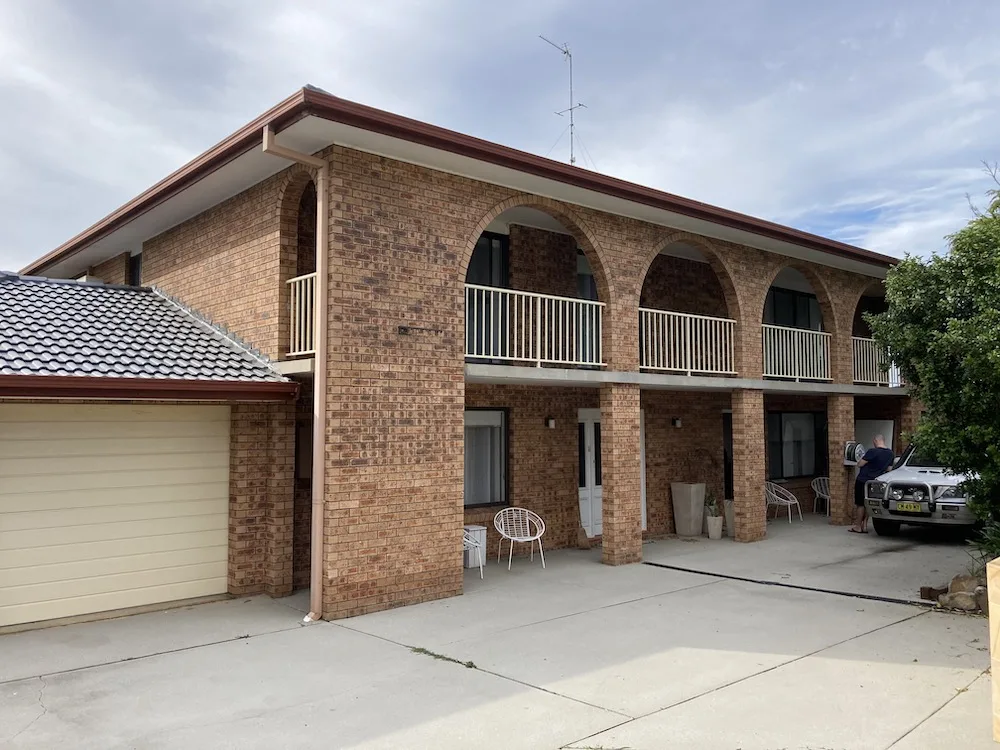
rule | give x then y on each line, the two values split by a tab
942	329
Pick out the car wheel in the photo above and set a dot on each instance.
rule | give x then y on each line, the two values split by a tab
885	528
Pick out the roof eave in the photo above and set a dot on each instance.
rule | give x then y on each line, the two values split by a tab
77	387
309	101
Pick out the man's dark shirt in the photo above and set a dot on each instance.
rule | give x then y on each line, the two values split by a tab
877	460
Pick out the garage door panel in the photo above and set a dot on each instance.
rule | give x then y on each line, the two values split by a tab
56	500
67	553
25	486
108	565
130	581
13	540
63	446
16	431
48	610
42	467
114	413
110	506
103	514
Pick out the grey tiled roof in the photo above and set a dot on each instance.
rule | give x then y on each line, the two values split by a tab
56	327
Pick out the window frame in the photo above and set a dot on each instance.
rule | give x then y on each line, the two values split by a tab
820	433
503	261
504	459
796	297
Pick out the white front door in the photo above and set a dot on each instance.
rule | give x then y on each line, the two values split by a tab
589	445
589	441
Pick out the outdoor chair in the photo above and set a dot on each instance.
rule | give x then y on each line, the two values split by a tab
519	525
778	496
821	486
469	542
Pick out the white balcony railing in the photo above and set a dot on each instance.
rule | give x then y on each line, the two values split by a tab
508	326
872	366
796	353
302	339
679	342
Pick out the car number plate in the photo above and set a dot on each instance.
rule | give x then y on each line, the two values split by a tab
908	507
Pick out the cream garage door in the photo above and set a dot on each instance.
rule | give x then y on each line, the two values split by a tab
110	506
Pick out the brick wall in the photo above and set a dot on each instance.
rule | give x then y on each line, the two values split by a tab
543	463
683	285
225	263
542	261
112	271
261	499
692	452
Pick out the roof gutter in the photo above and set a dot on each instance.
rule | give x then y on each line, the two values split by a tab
74	386
309	101
320	360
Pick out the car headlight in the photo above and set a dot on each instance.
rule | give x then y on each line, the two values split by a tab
919	495
876	489
896	493
947	491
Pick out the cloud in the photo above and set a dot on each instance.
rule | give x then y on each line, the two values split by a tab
855	120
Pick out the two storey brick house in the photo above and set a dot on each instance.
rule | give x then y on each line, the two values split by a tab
482	327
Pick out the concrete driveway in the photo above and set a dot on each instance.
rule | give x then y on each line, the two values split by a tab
579	655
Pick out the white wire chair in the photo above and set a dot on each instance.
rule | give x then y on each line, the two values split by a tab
469	542
778	496
821	486
519	525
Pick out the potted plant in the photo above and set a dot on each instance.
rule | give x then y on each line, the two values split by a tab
714	519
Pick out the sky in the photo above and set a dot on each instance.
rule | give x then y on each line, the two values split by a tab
862	121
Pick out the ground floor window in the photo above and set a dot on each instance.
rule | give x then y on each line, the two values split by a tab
485	457
796	443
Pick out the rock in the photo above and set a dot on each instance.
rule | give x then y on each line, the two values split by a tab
931	593
963	583
961	600
983	599
582	540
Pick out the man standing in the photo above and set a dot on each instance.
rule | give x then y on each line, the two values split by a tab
876	460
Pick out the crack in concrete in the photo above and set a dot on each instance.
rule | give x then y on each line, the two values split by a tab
748	677
41	703
938	710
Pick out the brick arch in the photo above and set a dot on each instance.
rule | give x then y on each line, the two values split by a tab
715	261
573	223
819	287
290	190
855	299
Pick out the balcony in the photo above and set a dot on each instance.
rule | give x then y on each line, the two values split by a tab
684	343
506	326
872	366
796	353
302	328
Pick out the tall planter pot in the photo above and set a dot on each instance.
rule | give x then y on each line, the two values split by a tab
689	507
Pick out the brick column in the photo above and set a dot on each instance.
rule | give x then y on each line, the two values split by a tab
840	429
621	474
261	452
909	415
748	465
278	526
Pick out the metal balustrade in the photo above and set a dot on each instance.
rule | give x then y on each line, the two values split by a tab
302	338
685	343
796	353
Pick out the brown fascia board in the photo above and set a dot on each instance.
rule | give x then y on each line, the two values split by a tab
311	101
72	386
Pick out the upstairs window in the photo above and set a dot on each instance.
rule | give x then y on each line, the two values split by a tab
134	270
792	309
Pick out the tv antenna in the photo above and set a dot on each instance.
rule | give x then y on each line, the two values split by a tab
573	104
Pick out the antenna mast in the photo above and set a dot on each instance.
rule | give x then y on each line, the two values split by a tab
564	48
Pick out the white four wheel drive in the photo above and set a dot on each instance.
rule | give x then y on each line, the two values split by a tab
916	491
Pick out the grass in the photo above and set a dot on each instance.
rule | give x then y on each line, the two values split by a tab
442	657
